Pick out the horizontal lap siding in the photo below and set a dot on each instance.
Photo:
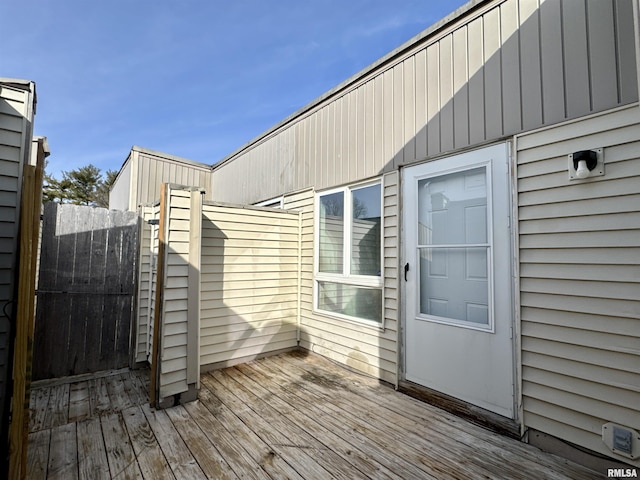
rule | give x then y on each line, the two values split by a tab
579	282
173	365
509	66
14	109
144	317
155	214
365	348
249	282
16	116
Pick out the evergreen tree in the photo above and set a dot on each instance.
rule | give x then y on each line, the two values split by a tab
101	195
81	186
84	182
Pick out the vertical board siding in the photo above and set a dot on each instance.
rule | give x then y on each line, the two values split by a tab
249	283
368	349
143	173
168	170
579	283
507	67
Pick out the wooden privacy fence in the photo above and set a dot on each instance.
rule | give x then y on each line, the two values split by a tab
86	288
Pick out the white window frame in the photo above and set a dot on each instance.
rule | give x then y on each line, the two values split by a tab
345	278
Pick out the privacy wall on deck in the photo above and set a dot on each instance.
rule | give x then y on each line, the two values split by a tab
148	238
579	281
168	296
250	278
219	281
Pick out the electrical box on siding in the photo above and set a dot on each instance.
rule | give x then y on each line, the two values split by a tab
621	440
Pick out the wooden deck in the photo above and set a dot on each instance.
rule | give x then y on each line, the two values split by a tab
289	416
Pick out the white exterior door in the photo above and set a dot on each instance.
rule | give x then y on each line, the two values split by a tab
459	314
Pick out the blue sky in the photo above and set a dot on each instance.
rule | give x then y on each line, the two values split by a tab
191	78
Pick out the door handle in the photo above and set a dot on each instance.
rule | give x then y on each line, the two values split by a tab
406	270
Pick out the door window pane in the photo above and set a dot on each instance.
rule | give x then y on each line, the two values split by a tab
331	247
359	302
365	231
452	208
454	281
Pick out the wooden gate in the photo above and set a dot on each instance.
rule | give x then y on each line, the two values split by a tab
85	293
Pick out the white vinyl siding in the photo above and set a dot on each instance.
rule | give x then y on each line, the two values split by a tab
153	286
366	348
249	289
505	67
579	260
145	277
175	320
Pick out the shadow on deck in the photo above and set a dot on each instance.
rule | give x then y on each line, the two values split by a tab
288	416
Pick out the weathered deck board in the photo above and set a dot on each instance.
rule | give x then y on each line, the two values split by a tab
269	428
58	407
120	455
63	453
433	452
175	451
298	412
355	431
289	416
262	462
492	446
79	407
38	408
92	458
145	445
205	453
38	454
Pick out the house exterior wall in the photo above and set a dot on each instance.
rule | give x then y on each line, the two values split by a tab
558	77
121	189
17	108
250	277
579	283
502	68
369	349
140	179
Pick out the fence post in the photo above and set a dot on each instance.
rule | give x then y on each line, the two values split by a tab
154	383
23	350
